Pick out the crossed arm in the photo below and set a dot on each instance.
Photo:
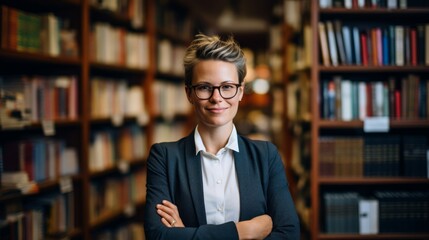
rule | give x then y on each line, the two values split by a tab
257	228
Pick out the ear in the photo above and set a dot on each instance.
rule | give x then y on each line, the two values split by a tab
188	95
241	92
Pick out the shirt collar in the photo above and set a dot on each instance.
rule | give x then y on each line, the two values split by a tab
232	143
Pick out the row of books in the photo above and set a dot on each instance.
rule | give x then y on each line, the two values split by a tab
40	158
400	98
116	99
374	155
41	33
116	194
384	212
116	147
395	45
170	57
127	231
169	131
132	9
374	4
45	217
115	45
27	99
169	99
173	20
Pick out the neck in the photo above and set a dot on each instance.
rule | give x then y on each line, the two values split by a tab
215	138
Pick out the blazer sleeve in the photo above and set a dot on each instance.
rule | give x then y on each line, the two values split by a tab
158	189
280	205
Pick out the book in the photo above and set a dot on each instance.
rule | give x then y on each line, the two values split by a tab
340	42
324	44
332	43
368	216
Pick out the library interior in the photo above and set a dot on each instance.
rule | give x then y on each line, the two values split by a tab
340	87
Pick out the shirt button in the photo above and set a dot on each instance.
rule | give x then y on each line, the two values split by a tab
219	181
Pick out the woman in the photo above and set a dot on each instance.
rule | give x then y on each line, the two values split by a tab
214	183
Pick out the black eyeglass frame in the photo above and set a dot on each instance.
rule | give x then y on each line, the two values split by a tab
238	85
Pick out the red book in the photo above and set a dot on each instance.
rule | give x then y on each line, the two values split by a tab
397	104
364	48
369	100
413	44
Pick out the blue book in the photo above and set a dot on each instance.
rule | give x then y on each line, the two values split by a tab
356	40
386	47
348	44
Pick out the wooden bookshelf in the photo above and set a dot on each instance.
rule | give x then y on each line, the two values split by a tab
81	17
364	18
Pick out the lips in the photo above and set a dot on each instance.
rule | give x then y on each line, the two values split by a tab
216	110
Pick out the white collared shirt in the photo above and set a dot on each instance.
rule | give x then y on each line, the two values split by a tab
221	195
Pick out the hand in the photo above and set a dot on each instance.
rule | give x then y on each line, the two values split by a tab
257	228
169	214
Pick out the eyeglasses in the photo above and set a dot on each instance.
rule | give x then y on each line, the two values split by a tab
205	91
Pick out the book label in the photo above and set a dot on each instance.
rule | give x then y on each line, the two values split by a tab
376	124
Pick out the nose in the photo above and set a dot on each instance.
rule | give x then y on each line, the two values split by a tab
216	95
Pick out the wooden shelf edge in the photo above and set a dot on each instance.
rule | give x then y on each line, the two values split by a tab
371	69
117	68
365	11
371	180
394	123
39	57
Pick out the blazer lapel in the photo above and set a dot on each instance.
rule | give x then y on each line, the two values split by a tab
195	179
243	174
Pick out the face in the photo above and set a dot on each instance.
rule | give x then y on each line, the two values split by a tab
215	111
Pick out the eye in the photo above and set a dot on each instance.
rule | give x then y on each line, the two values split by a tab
203	87
227	87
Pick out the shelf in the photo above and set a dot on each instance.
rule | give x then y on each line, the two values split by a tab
115	215
371	180
110	121
117	68
334	124
170	77
119	168
373	11
374	236
29	57
373	69
38	125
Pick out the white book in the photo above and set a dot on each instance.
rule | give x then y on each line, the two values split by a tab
368	216
325	3
392	4
348	4
332	43
346	100
53	35
362	100
399	45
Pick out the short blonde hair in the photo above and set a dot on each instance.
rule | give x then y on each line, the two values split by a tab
205	47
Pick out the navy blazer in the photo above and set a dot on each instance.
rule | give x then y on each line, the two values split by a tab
174	174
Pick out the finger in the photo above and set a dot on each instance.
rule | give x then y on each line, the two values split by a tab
169	204
163	214
166	209
165	222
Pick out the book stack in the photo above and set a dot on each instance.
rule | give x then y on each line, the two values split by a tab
352	99
394	45
382	212
38	33
374	156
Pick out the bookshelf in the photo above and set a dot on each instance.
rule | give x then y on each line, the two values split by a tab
69	70
351	163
